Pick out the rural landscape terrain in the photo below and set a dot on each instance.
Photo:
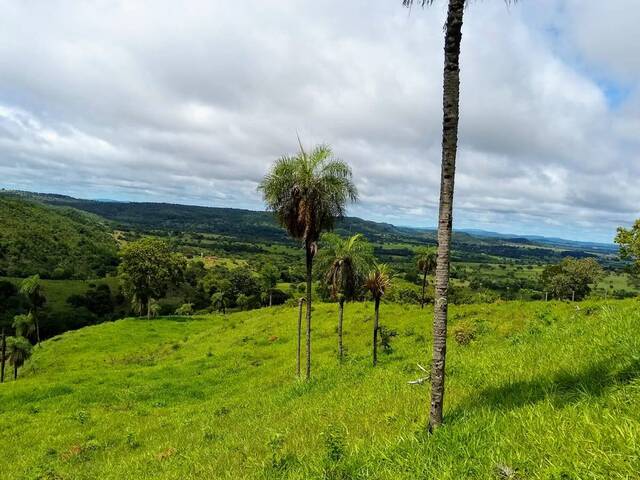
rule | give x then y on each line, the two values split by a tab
320	240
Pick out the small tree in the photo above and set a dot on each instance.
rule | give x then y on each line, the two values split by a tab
32	289
269	276
218	302
571	278
24	325
377	283
629	241
426	263
18	352
147	270
242	301
345	263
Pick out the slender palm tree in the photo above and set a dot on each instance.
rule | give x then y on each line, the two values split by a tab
18	351
32	289
345	263
300	303
307	192
426	262
378	282
24	325
451	112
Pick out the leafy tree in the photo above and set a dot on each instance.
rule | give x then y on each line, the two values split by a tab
18	351
426	263
219	302
243	282
24	325
269	276
307	192
32	289
147	270
345	263
377	283
629	241
571	278
451	113
242	301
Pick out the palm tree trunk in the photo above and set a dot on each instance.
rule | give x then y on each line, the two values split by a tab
270	298
4	354
300	302
15	371
424	287
375	332
340	317
149	309
451	99
309	272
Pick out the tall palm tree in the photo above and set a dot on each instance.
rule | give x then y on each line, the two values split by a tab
345	263
307	192
450	108
426	262
18	351
32	289
378	282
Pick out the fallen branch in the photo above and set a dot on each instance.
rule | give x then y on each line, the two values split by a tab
422	380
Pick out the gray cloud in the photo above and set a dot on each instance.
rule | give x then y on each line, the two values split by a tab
192	102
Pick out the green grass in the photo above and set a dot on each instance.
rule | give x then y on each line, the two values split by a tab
549	389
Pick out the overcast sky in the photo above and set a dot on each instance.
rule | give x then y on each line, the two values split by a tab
190	102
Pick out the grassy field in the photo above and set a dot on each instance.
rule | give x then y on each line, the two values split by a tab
550	390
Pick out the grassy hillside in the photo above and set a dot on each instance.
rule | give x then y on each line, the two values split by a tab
51	241
551	390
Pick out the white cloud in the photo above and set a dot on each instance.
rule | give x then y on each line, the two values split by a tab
192	102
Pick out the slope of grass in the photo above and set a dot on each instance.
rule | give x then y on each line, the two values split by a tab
550	390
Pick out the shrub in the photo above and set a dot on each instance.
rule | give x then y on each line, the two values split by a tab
464	332
185	309
386	336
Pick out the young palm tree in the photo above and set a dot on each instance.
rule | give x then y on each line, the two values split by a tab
344	263
300	302
426	262
24	325
450	108
307	192
32	289
378	282
18	351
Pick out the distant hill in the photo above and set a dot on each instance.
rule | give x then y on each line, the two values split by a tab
261	227
55	242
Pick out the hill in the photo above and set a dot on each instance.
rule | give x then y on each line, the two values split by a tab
54	242
548	390
261	227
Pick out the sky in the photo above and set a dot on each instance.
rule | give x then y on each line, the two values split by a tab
191	102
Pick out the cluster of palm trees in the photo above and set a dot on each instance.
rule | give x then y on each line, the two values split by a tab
18	349
308	192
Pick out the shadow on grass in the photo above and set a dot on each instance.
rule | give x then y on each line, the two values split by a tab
562	388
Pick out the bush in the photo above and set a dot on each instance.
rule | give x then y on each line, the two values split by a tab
185	309
464	332
386	336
